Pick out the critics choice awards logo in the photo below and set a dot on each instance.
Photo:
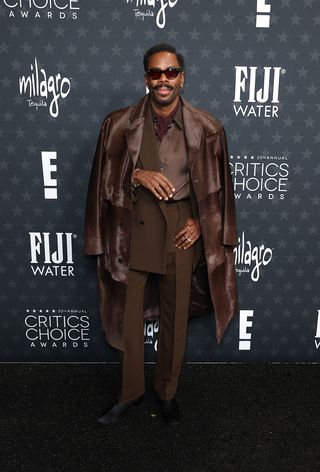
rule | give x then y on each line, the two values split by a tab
249	258
51	254
152	8
260	176
256	91
40	87
57	328
57	9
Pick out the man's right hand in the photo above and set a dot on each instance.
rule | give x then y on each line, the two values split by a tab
156	182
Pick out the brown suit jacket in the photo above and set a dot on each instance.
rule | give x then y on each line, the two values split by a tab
148	244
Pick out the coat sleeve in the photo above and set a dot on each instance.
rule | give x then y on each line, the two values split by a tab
93	234
230	236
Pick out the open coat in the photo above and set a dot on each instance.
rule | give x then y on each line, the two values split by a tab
109	217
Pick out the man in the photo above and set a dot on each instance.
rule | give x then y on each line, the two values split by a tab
160	216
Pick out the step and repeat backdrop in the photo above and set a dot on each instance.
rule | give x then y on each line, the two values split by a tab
65	64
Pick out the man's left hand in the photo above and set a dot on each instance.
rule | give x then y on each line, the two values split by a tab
188	235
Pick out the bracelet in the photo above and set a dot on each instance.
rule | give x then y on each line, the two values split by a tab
134	183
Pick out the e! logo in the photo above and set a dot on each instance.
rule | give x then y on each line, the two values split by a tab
244	335
263	21
50	183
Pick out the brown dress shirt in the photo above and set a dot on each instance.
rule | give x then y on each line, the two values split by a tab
172	151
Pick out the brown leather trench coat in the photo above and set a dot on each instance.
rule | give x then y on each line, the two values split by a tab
109	216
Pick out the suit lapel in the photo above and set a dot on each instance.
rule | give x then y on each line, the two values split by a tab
149	153
141	140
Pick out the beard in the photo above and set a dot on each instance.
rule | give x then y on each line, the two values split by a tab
166	100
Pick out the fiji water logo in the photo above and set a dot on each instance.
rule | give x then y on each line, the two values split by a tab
162	6
40	87
250	258
51	254
256	92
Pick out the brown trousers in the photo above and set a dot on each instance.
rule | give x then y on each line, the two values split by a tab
174	292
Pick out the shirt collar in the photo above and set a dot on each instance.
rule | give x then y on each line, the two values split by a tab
177	117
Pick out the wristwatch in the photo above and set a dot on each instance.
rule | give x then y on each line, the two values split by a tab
134	182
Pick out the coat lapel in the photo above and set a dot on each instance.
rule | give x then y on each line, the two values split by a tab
192	129
133	135
134	130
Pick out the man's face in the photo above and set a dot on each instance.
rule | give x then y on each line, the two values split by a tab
163	91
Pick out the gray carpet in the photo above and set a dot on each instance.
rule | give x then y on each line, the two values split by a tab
248	418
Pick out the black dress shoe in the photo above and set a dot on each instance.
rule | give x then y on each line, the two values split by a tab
169	409
115	413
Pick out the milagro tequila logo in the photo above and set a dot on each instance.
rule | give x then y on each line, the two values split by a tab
162	5
38	86
261	95
151	330
51	254
250	258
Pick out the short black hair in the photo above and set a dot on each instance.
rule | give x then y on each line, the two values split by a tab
162	47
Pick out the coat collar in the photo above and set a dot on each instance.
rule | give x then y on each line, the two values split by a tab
134	130
139	110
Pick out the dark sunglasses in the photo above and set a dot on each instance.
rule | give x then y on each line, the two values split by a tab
170	73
